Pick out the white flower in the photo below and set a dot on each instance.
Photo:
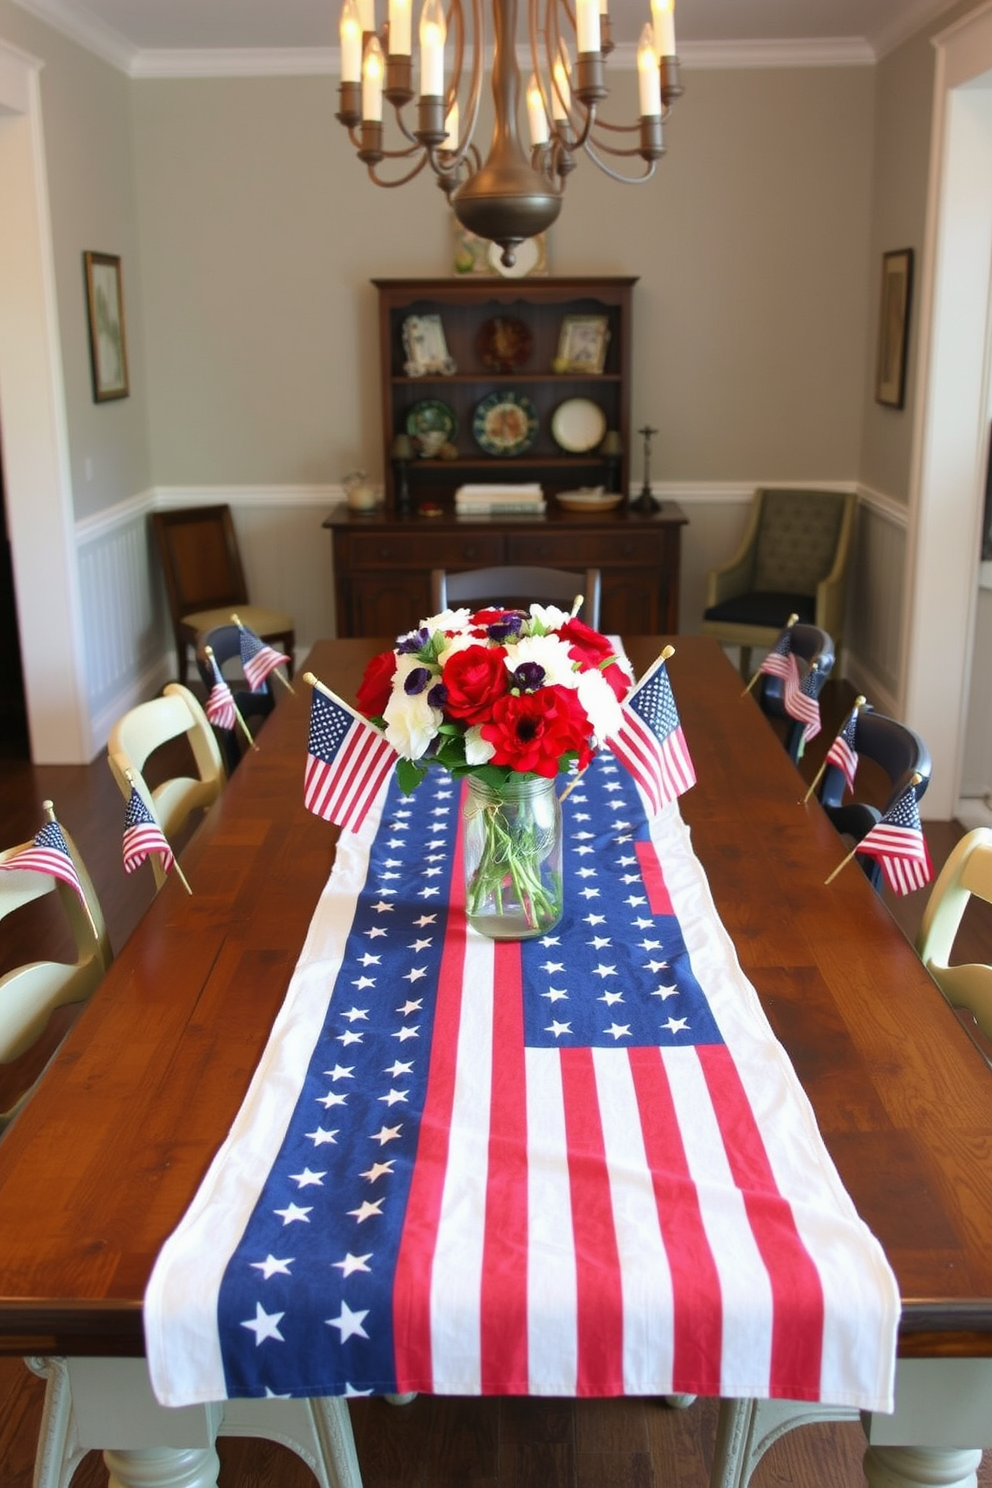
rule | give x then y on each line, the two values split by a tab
599	700
447	620
550	616
478	751
551	653
411	722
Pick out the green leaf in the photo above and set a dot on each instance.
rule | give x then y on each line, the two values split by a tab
409	774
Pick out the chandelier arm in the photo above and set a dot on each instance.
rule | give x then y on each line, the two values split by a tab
618	175
401	124
475	89
402	180
354	135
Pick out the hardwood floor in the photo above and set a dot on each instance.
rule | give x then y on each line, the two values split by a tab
436	1443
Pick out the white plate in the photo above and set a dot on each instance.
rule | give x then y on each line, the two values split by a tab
527	257
578	425
588	500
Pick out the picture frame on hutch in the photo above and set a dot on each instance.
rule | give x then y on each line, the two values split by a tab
893	327
582	344
105	313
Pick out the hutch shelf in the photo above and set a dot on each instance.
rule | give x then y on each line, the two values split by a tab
467	308
383	559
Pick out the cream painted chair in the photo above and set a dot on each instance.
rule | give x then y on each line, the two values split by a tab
793	559
967	871
144	729
30	994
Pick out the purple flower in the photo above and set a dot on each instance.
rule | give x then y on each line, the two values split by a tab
414	682
413	642
510	625
528	677
438	695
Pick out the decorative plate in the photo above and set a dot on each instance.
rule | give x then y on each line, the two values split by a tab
529	258
505	424
503	343
589	501
578	425
430	424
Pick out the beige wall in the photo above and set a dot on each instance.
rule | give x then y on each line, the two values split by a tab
86	108
259	234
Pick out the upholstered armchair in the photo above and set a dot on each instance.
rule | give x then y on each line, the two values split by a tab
793	559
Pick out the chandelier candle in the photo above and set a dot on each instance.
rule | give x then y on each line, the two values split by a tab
514	193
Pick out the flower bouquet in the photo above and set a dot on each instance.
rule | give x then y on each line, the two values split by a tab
510	699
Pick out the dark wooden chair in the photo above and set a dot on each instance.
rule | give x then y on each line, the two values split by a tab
205	581
900	753
254	707
517	586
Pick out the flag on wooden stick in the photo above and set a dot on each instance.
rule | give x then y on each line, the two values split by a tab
219	706
48	853
347	760
142	836
898	846
650	741
258	659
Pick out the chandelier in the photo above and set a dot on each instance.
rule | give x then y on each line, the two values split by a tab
514	194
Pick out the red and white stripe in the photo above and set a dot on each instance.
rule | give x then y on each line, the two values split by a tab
663	768
343	789
512	1295
902	854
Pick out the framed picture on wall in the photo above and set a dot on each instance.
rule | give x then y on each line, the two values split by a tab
893	327
105	310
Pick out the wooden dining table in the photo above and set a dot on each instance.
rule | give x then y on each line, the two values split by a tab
102	1164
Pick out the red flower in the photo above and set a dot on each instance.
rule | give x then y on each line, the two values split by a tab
474	679
592	650
376	685
531	731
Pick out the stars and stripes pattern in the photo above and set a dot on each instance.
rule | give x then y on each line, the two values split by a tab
650	741
49	853
842	752
258	659
219	706
143	836
347	762
576	1165
780	661
899	847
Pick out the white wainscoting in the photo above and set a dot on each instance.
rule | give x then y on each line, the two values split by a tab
128	643
875	601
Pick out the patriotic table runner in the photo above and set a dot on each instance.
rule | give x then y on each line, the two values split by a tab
579	1165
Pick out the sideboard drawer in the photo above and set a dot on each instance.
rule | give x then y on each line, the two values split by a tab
406	549
563	548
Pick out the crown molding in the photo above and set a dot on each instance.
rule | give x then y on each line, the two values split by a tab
325	61
813	51
914	16
103	41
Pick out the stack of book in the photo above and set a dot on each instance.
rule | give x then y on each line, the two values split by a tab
493	500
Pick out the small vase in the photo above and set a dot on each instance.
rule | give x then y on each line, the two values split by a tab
513	883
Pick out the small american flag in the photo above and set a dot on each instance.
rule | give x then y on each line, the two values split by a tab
48	853
780	661
142	836
899	847
842	752
258	659
650	741
347	762
220	704
800	701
